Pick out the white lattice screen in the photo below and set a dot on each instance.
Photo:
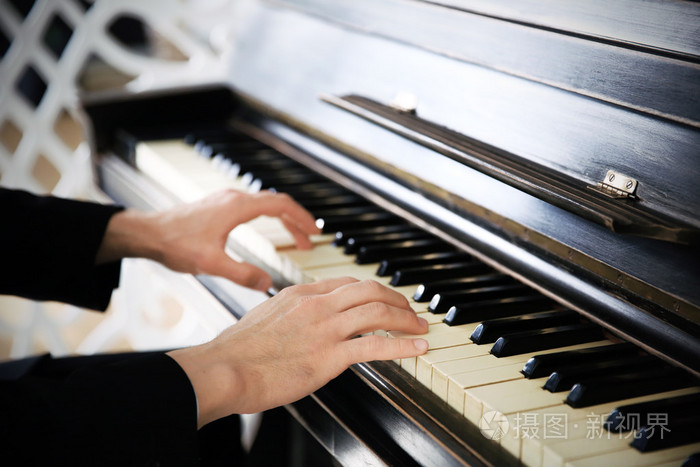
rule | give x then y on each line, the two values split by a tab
50	51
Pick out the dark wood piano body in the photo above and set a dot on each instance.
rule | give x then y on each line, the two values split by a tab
520	108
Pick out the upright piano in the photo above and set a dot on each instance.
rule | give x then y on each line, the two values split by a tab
526	173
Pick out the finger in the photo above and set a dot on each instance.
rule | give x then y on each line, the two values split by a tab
368	348
360	293
318	288
282	205
244	274
378	315
301	238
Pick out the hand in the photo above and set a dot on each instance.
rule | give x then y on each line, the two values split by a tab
191	238
296	342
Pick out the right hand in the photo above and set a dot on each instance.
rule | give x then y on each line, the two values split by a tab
297	341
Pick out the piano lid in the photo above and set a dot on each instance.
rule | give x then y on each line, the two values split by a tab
572	103
569	104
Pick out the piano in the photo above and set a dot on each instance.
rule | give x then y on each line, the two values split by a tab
526	173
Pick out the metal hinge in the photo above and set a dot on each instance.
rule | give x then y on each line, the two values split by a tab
405	102
617	185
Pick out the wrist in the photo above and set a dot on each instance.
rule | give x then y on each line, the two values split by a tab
130	234
215	383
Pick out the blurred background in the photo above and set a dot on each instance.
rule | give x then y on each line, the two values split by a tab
51	53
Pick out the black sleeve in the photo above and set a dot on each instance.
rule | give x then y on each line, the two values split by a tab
137	410
48	247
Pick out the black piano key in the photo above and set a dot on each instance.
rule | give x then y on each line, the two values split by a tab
692	460
258	156
376	253
632	416
342	236
345	200
442	302
347	211
230	149
497	308
417	275
490	330
224	138
271	169
280	180
201	138
256	164
532	341
240	166
611	388
315	190
353	244
389	266
426	291
565	378
241	151
204	134
540	366
372	219
666	434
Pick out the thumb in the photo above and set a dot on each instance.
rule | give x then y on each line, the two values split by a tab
244	274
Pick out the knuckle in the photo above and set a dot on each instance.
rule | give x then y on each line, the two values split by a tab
230	194
345	280
372	286
300	289
290	292
375	343
307	301
378	309
283	196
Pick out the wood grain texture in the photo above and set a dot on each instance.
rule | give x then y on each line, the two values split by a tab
662	26
282	63
642	81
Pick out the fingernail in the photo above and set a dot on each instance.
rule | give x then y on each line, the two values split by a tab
420	344
423	322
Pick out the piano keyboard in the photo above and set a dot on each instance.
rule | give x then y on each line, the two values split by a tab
495	344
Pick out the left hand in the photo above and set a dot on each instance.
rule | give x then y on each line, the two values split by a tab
191	238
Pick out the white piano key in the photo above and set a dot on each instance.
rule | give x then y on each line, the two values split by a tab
489	374
594	440
633	458
431	318
360	272
324	255
408	291
508	397
438	336
424	363
531	449
458	374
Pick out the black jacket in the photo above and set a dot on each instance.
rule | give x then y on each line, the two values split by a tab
128	409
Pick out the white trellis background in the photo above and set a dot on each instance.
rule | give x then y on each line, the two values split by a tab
43	150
